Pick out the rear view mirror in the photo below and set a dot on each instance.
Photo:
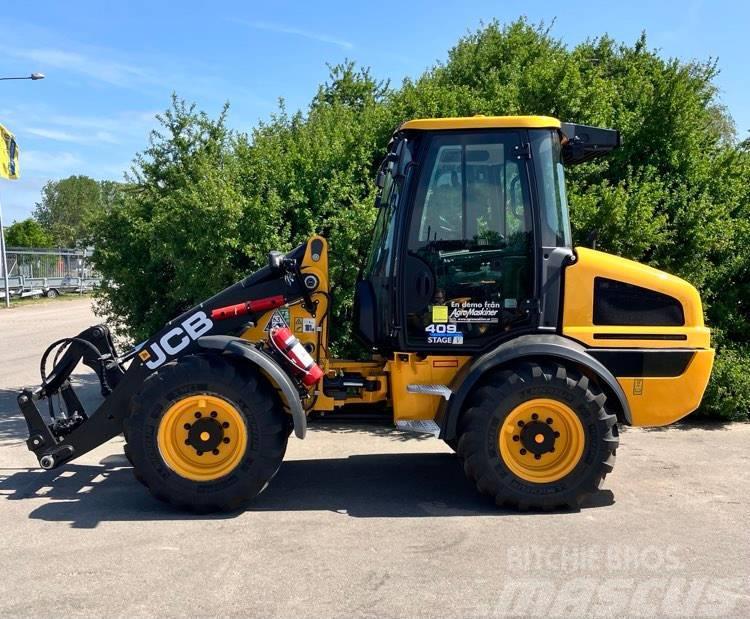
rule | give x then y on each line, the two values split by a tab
583	143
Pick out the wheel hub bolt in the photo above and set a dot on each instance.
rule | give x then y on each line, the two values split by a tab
523	452
198	415
549	421
215	452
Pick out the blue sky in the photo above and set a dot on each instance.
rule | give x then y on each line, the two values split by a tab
111	66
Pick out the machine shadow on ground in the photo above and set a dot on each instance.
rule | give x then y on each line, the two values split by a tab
361	486
393	485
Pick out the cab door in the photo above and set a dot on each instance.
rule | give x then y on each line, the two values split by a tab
467	274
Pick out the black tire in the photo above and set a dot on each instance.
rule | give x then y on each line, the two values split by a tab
52	293
129	458
480	424
126	451
248	392
452	443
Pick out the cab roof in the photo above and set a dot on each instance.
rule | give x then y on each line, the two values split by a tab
482	122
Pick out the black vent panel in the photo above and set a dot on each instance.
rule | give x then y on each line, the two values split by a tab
618	303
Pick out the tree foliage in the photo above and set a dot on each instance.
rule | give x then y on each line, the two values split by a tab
27	233
205	204
68	207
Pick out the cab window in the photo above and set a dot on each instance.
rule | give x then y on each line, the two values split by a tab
379	258
546	154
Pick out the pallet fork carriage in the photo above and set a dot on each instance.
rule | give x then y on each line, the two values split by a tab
487	329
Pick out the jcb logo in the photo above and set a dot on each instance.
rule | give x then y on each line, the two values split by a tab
174	340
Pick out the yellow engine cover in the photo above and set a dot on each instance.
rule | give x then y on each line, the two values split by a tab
654	400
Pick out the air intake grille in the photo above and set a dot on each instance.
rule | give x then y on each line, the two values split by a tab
618	303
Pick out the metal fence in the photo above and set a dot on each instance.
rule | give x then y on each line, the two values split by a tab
40	263
50	272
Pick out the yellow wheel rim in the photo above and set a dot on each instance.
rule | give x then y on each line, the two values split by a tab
202	437
541	440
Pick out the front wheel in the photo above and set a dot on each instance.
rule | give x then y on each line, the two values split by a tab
205	434
539	437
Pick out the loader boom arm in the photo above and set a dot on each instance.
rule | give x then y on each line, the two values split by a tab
71	432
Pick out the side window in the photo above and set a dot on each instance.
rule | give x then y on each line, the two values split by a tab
378	260
469	243
441	216
545	151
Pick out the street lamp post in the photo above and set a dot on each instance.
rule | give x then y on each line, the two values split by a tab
33	76
3	257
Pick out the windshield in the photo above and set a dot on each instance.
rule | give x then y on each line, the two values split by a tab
550	178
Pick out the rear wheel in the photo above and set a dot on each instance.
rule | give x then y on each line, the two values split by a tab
538	437
205	434
452	443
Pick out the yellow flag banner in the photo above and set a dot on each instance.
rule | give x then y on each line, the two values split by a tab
9	167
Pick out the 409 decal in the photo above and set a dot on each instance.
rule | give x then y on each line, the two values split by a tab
444	334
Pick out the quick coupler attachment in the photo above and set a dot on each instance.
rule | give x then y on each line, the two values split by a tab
54	439
42	440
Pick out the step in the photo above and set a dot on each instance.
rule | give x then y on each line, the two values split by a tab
441	390
419	426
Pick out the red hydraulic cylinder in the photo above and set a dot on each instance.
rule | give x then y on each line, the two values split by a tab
248	307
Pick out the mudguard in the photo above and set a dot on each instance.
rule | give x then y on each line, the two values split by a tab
525	347
237	347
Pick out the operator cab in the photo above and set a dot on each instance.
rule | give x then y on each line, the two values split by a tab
472	232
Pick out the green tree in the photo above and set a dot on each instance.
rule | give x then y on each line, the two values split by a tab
316	171
171	235
66	209
27	233
205	205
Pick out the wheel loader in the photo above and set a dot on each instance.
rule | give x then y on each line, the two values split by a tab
486	327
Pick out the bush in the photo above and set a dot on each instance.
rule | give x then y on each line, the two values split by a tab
205	205
728	394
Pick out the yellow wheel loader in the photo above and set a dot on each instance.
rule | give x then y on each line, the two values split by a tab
486	328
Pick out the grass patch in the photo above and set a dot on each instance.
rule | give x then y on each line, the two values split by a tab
16	302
